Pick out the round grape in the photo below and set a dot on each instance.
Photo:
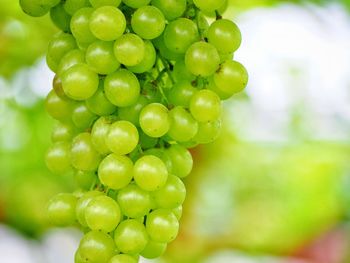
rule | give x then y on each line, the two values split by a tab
171	8
172	195
205	106
181	160
155	120
122	137
129	49
183	127
58	157
162	226
79	25
61	210
154	250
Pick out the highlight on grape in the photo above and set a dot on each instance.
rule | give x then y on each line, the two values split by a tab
138	83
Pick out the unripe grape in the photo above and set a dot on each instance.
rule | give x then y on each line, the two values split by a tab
60	45
96	247
183	127
148	22
107	23
154	120
131	237
162	226
60	17
83	155
202	59
79	82
122	137
181	159
231	78
79	25
99	104
172	194
154	250
224	35
205	105
115	171
180	34
150	173
129	49
102	213
122	88
134	202
61	209
58	157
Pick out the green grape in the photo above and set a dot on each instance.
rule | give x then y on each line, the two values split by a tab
205	106
107	23
58	108
82	117
60	17
147	142
164	51
209	5
70	59
148	61
172	195
181	94
63	132
224	35
79	82
180	34
136	3
58	157
85	180
131	237
177	212
96	247
99	133
208	131
73	6
129	49
34	7
134	202
161	154
231	78
83	155
78	258
122	88
79	25
171	8
60	45
99	3
115	171
155	120
100	57
150	173
148	22
226	56
181	73
61	210
183	127
122	137
132	113
181	159
102	213
123	258
162	226
154	250
202	59
82	204
99	104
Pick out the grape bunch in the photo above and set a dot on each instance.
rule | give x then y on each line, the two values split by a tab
138	83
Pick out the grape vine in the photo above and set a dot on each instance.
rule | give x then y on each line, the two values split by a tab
138	83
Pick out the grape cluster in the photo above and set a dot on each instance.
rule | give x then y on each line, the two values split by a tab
138	83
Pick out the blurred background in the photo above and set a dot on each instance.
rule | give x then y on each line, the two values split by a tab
274	188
